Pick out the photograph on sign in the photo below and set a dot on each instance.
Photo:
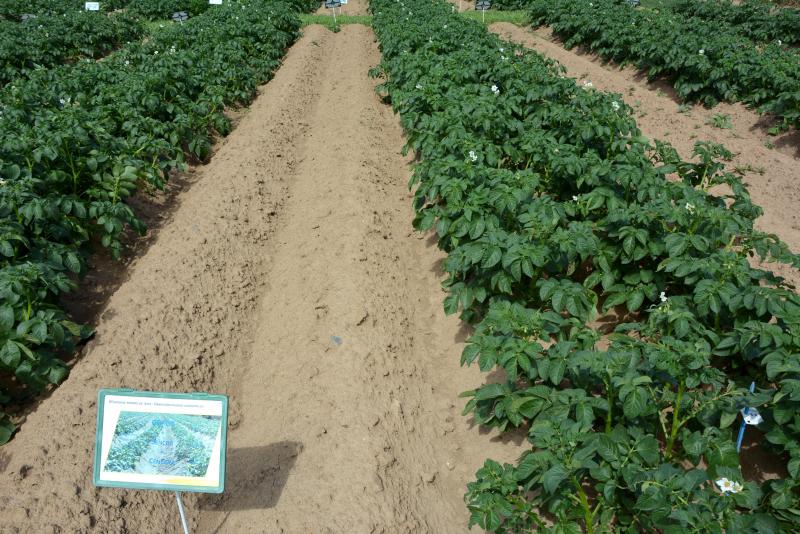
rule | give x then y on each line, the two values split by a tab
152	440
92	6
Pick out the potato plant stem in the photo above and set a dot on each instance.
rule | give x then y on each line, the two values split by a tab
588	517
676	423
610	397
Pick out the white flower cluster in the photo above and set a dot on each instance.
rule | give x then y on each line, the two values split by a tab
495	90
588	85
690	207
615	105
473	156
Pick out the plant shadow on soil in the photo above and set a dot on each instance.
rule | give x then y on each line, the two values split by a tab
254	479
758	463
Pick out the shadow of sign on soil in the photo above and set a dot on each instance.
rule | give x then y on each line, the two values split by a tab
255	477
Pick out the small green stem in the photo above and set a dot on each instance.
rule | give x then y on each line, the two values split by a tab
588	517
676	422
610	398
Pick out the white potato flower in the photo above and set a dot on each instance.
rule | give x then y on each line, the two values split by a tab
728	486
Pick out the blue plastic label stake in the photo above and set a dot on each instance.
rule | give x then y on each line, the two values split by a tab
746	413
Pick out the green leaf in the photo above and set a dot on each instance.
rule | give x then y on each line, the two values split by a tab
635	300
72	262
493	258
635	403
6	429
490	391
553	477
6	317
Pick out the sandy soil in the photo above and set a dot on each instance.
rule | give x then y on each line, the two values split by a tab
289	278
772	174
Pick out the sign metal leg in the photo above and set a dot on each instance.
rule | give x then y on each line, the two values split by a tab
183	512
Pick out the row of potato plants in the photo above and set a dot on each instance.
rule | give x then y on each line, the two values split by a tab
757	19
54	39
707	61
77	141
609	281
14	9
509	5
163	9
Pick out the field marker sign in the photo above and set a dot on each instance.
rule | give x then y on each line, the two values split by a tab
161	441
333	4
483	6
92	6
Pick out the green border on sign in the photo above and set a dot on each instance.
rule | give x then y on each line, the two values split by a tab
167	487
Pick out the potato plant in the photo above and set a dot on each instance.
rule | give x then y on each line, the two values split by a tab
756	19
76	141
53	39
163	9
625	309
13	10
707	61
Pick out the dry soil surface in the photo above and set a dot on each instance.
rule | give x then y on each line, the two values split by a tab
287	277
772	174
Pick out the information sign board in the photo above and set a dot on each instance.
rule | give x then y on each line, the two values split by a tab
163	441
